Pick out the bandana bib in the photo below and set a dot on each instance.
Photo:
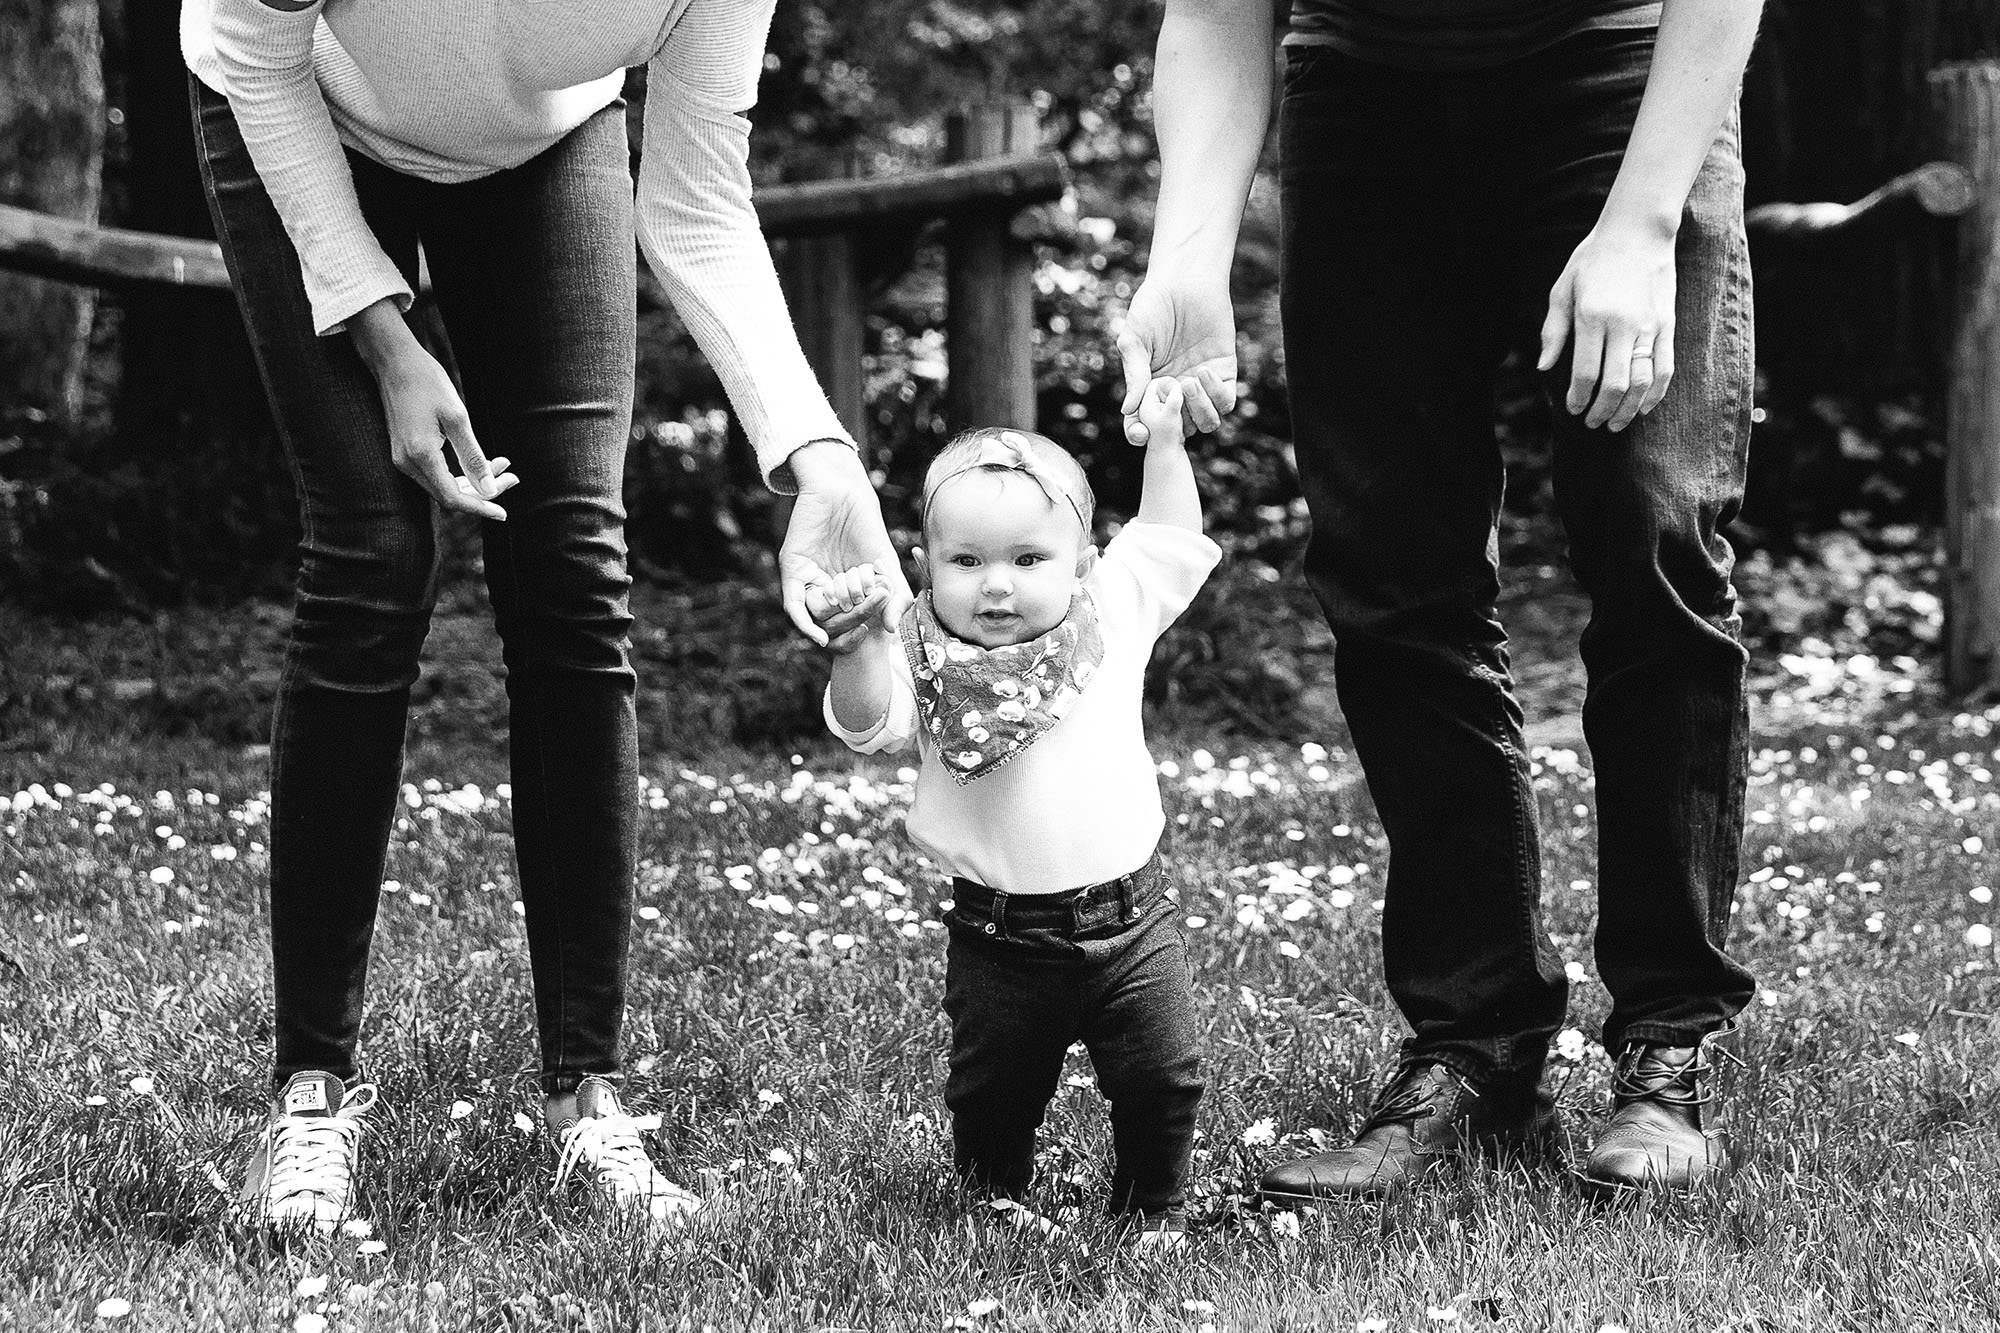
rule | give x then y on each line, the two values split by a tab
982	706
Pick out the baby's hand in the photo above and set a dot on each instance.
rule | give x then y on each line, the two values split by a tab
844	604
1160	413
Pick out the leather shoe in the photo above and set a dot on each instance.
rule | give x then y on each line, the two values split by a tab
1658	1135
1426	1114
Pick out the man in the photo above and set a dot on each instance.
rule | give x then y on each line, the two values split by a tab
1453	172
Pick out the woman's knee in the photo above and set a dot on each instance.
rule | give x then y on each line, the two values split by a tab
366	592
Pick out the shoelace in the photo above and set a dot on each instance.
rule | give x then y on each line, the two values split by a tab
314	1154
1408	1099
609	1147
1671	1085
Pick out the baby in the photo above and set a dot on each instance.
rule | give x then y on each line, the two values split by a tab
1018	673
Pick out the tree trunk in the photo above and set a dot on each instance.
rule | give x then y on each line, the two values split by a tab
51	160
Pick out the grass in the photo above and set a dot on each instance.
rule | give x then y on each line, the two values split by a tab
784	1022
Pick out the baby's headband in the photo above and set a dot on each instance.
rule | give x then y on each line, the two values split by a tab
1009	451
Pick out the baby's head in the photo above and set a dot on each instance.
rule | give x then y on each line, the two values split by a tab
1006	531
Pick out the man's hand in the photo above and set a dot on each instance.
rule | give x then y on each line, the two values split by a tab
837	525
1188	333
1615	301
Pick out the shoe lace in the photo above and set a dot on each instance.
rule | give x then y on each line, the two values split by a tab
314	1154
1409	1095
609	1148
1638	1076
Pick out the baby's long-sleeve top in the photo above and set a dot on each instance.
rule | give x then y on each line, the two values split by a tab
451	90
1081	805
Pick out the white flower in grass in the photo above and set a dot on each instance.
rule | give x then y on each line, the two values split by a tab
357	1228
1198	1307
781	1157
1442	1314
1980	894
1371	1325
161	875
357	1293
1285	1226
141	1085
1570	1045
372	1247
434	1291
1611	1328
1908	1039
310	1287
95	1100
522	1123
1979	935
982	1307
460	1109
769	1099
1576	972
649	913
1262	1134
1287	949
113	1307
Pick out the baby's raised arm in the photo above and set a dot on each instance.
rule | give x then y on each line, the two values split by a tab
863	663
1169	496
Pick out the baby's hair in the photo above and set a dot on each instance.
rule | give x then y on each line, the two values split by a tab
1058	464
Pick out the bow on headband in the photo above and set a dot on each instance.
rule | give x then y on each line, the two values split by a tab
1008	452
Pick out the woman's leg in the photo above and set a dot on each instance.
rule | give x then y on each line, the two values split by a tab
534	272
364	600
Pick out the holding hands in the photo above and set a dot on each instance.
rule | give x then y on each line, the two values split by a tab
1186	332
851	599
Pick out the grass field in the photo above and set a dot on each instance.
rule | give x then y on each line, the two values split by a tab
784	1022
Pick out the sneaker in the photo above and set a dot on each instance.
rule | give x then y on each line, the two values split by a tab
601	1144
1427	1114
301	1177
1158	1233
1659	1134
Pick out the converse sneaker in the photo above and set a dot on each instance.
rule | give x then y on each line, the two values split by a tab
601	1144
302	1174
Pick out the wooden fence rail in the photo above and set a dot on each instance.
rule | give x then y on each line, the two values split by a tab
979	197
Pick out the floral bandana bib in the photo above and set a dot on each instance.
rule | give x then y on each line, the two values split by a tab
982	706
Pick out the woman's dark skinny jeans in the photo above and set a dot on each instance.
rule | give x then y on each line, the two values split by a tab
533	272
1426	216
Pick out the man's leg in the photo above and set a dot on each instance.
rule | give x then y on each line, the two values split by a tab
1397	262
1665	709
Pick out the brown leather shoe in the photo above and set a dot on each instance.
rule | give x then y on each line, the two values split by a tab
1427	1114
1658	1136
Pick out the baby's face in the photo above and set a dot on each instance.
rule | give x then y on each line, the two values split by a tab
1001	559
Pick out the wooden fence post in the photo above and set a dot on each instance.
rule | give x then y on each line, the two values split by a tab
989	279
1966	103
823	287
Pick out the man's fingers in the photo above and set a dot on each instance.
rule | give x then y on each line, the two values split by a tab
1586	364
1138	368
1555	324
1196	408
1663	370
1221	393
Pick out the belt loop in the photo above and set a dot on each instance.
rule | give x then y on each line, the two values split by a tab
1128	897
997	917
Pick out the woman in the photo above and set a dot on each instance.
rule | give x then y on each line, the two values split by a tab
336	138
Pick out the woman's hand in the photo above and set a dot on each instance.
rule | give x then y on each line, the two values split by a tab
1615	301
836	525
426	415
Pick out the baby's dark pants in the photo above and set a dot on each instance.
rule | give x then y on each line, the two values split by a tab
1030	974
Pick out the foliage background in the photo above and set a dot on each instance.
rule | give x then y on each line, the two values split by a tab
173	489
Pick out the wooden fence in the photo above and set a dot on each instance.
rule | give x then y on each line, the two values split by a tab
994	179
995	176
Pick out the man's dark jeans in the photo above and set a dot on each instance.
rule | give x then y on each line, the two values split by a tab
533	272
1029	974
1426	216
